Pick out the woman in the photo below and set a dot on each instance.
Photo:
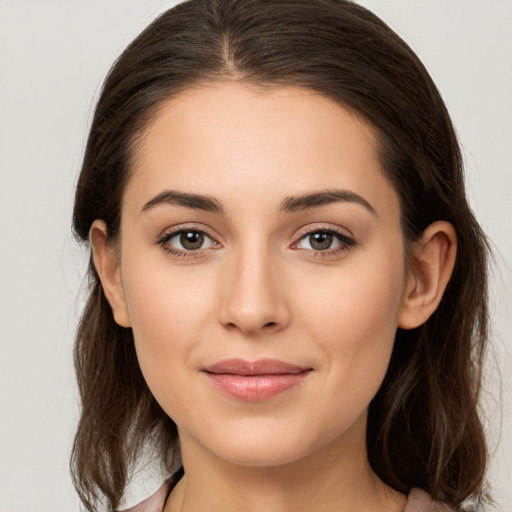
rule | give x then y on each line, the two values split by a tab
286	277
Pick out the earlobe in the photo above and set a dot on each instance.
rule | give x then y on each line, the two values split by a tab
433	260
106	262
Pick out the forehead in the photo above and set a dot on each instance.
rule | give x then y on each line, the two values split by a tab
262	143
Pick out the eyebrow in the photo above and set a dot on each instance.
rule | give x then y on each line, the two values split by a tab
289	205
196	201
306	201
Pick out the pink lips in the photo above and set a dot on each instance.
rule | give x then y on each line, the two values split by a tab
257	380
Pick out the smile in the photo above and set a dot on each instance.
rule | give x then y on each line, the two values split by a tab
255	381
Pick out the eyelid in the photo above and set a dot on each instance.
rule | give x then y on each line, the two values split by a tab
345	237
328	228
172	230
169	233
339	231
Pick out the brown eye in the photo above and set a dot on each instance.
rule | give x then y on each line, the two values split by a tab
187	240
191	240
324	241
320	241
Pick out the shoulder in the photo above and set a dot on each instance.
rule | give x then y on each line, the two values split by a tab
155	502
421	501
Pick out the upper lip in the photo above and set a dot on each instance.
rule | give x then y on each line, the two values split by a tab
260	367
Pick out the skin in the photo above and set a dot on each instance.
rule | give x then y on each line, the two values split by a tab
258	288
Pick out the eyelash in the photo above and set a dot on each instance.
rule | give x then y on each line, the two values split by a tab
346	242
178	253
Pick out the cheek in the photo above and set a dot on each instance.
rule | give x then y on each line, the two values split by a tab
168	313
353	317
358	298
159	307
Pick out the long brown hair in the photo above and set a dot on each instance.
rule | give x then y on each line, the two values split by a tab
423	426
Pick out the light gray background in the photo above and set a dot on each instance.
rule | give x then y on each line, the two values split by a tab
53	56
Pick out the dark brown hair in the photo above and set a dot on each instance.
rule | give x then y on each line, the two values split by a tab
423	425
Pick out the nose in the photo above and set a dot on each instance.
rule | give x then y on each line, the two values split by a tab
253	293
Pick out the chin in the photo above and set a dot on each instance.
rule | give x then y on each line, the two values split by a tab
264	446
258	457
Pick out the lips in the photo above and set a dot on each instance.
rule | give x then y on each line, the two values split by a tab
256	380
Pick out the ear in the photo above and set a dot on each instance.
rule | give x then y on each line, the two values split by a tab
107	264
433	259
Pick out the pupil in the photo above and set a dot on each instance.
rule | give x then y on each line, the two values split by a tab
320	241
191	240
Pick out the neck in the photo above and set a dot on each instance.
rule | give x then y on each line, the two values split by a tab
337	477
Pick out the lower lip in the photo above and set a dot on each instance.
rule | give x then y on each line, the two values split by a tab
253	388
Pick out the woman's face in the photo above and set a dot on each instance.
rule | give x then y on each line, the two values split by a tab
258	227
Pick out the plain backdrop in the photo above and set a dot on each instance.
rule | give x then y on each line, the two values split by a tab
53	56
